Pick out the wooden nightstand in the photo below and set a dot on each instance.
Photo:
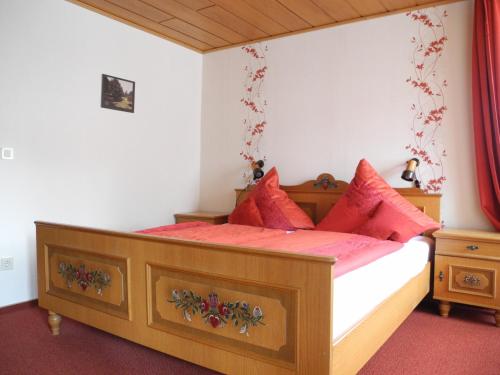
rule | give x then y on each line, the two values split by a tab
467	269
209	217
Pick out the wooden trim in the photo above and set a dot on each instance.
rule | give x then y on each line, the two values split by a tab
340	23
463	234
157	239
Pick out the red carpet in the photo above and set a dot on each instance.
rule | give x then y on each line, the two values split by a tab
465	343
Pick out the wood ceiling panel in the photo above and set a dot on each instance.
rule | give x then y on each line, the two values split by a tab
224	17
195	32
196	4
194	18
124	15
308	11
368	7
339	10
142	9
275	10
209	25
241	9
398	4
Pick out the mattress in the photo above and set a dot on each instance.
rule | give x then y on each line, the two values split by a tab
357	293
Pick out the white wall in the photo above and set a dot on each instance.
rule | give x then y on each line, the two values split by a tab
335	96
74	161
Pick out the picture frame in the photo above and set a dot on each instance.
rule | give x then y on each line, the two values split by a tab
117	93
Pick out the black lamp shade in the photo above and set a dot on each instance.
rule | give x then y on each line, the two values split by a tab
258	173
409	172
257	169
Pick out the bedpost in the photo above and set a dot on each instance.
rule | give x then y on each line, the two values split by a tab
54	322
316	318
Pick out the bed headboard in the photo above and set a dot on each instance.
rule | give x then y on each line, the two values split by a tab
316	197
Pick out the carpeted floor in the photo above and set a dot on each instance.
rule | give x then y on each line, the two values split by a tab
466	343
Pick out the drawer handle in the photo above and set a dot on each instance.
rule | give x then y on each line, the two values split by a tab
472	280
441	276
472	247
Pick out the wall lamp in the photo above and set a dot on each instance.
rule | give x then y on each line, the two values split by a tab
257	169
409	173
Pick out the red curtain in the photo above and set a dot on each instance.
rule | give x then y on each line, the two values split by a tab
486	104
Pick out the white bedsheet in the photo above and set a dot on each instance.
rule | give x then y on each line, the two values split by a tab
357	293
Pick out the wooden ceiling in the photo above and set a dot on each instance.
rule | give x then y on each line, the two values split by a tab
209	25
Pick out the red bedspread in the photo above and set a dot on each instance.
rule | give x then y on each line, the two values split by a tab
351	250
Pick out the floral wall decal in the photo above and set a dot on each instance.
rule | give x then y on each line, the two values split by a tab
254	104
429	108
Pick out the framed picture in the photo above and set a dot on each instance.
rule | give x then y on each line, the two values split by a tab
117	93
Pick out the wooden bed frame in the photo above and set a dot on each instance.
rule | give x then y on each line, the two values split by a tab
123	284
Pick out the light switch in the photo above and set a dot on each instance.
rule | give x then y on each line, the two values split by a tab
7	153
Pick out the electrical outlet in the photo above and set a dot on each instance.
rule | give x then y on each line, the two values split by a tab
7	153
6	264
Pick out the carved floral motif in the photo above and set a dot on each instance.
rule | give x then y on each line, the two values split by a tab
472	280
429	108
217	313
254	104
96	278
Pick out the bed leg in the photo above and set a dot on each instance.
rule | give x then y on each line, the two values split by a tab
444	308
497	317
54	322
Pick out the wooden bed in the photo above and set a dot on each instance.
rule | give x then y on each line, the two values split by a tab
132	276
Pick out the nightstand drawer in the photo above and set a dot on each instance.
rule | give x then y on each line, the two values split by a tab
471	247
466	280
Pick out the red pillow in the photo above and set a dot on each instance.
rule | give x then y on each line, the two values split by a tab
276	209
351	216
247	213
389	222
366	190
380	225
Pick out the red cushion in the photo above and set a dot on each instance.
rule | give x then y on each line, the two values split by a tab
275	208
389	222
366	190
343	217
247	213
379	226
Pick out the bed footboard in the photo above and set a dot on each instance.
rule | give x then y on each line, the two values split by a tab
232	309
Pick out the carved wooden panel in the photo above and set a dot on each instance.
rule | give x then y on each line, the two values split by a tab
474	281
90	279
272	340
